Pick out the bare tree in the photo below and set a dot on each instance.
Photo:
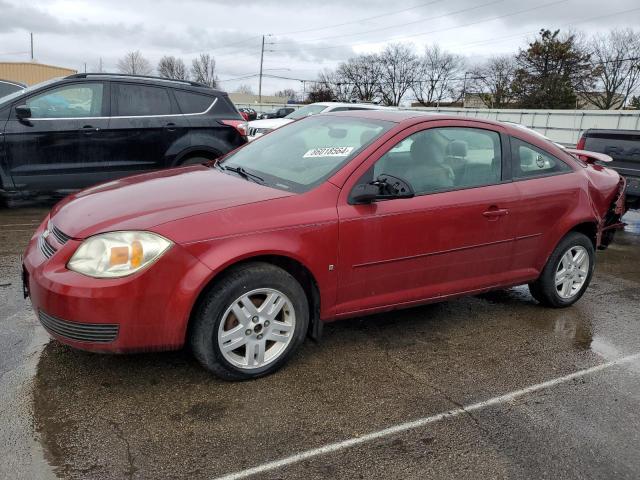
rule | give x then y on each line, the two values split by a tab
363	73
616	68
203	70
172	67
492	81
340	87
319	92
436	76
288	93
244	88
133	63
400	66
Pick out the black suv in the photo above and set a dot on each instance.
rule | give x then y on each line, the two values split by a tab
70	133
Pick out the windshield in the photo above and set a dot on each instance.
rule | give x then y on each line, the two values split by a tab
306	111
14	95
303	154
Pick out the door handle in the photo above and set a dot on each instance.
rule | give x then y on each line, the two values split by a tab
89	129
494	213
171	127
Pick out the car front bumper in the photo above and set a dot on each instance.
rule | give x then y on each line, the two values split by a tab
146	311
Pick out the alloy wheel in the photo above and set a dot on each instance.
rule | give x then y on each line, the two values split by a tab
256	328
572	272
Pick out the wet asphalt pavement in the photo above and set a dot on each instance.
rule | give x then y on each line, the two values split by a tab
69	414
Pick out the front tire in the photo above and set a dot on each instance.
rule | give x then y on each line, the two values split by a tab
250	322
567	273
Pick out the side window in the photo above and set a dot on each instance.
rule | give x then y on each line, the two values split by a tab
69	101
137	100
190	102
530	161
446	158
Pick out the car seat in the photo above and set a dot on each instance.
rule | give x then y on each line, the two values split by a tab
456	156
428	173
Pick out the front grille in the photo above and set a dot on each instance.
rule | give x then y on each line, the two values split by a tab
253	131
82	332
45	247
61	237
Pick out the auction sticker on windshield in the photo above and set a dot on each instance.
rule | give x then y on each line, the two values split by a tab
329	152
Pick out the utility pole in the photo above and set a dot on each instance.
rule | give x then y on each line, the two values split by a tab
260	80
464	88
31	37
261	62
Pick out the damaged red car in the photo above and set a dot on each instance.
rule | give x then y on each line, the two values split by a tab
330	217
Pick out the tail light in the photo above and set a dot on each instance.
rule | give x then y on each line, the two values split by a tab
240	125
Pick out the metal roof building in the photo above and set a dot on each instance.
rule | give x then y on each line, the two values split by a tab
31	73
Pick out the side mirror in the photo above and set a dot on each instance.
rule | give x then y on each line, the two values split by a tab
365	193
22	112
394	187
385	187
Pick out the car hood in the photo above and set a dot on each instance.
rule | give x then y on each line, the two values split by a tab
269	123
144	201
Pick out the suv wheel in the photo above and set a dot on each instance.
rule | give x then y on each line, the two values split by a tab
567	273
250	322
196	160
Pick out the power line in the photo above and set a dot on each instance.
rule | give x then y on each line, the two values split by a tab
360	19
421	20
499	17
414	81
517	35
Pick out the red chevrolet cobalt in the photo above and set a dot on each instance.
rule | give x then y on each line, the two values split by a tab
330	217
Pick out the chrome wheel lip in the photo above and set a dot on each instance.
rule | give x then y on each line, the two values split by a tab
273	322
572	272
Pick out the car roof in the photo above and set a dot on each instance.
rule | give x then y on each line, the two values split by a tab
398	116
371	106
149	80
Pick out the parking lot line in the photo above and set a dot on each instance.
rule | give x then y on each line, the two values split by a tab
421	422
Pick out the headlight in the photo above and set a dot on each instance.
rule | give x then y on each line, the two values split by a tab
117	254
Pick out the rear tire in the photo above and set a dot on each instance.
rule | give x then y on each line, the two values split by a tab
567	273
250	322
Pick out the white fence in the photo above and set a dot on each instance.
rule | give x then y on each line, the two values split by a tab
562	126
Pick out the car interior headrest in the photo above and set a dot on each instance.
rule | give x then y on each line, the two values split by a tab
457	148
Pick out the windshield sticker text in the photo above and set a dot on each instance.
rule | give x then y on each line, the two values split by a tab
328	152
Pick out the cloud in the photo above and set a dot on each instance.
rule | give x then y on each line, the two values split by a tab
306	37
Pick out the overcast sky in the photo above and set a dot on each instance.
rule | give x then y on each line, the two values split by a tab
307	36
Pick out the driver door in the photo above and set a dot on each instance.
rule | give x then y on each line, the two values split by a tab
454	236
61	145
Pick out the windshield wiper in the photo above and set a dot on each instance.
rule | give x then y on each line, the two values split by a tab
243	173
